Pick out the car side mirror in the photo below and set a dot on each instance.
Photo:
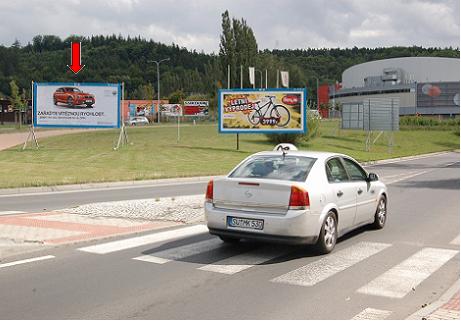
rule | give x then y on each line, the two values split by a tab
372	177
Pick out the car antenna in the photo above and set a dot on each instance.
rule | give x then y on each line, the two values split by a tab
284	150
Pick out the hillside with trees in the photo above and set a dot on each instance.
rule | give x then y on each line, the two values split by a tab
188	73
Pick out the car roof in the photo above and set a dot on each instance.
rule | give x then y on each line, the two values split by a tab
322	155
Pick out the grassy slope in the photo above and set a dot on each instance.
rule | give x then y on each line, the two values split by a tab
89	157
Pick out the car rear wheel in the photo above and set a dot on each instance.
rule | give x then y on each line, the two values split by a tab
70	101
381	214
227	239
328	234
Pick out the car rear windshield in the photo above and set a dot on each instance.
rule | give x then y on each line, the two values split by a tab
288	168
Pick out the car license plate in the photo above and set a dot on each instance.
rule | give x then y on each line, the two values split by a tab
235	222
89	101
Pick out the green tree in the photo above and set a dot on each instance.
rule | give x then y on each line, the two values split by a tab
238	48
177	97
18	101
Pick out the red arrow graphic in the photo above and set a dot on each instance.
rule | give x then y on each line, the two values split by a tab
76	58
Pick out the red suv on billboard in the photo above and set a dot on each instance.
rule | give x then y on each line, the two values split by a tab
73	96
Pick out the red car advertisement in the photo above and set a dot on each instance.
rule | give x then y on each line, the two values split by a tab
73	97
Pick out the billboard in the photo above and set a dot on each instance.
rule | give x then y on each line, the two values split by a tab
195	108
381	114
262	110
171	110
77	105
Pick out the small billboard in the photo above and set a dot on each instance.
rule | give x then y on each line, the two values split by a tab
77	105
171	110
262	110
195	108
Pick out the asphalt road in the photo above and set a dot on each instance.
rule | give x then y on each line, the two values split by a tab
397	270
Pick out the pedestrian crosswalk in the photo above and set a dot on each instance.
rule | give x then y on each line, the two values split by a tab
402	278
244	261
315	272
393	280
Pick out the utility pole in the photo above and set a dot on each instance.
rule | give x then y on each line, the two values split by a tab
278	74
266	78
158	84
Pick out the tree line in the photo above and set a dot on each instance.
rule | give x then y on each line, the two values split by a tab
189	73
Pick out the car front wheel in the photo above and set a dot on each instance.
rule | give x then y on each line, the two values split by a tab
381	214
328	234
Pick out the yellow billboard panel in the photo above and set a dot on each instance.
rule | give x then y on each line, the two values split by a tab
261	111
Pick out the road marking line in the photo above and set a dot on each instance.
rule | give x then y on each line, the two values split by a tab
164	256
25	261
402	278
319	270
11	212
408	177
455	241
238	263
372	314
129	243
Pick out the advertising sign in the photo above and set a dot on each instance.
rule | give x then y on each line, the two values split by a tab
262	111
77	105
171	110
195	108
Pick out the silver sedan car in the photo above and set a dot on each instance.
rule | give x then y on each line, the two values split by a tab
295	196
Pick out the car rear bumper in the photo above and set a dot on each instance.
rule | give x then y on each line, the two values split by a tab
263	237
296	226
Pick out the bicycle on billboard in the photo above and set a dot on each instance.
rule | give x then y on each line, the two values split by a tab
269	113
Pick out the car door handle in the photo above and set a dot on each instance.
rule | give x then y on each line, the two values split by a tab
339	194
360	191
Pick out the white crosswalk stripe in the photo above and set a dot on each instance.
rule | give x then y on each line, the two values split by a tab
244	261
165	256
455	241
372	314
11	212
401	279
129	243
330	265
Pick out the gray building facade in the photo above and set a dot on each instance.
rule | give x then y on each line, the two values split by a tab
424	85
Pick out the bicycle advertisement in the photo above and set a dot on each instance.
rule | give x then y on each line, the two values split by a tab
262	111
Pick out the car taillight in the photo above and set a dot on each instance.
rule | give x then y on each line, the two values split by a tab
299	198
209	192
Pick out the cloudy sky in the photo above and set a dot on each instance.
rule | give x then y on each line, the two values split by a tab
196	24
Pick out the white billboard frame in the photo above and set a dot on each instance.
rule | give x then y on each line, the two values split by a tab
114	123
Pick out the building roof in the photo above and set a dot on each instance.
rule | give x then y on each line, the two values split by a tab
417	69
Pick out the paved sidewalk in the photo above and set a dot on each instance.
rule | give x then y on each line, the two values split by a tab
9	140
56	228
446	308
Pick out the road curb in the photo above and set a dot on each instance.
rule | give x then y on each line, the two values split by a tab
426	311
399	159
166	181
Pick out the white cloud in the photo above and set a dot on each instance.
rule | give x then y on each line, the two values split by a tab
196	24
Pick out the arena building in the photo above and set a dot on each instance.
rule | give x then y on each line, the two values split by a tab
424	85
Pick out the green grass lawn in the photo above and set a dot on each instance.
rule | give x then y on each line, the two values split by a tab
154	153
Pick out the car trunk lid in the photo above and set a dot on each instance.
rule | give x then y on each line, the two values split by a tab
252	195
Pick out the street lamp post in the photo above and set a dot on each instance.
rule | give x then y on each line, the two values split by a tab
158	84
